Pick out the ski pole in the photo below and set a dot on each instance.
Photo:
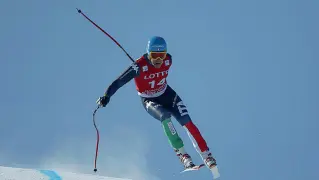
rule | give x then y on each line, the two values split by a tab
79	11
97	139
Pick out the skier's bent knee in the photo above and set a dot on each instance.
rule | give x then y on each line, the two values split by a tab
184	120
164	116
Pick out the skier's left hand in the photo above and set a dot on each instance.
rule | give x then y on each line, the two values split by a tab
103	101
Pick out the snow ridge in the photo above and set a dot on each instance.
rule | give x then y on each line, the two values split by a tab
10	173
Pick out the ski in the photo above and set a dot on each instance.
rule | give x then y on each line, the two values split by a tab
197	167
215	172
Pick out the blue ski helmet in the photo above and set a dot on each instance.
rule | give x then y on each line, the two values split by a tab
156	44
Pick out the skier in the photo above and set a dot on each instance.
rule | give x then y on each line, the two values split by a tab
160	100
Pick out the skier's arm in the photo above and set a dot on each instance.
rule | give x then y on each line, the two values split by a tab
124	78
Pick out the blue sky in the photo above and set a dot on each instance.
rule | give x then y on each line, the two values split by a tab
247	71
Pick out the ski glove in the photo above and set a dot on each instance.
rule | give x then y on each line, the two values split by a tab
103	101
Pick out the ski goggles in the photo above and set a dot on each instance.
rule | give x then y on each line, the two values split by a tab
156	55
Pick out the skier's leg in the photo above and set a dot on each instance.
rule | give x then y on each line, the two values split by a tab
196	137
179	111
157	111
174	104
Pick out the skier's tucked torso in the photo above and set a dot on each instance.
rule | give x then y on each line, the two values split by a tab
151	81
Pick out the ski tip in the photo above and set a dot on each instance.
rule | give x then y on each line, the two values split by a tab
79	10
195	168
215	172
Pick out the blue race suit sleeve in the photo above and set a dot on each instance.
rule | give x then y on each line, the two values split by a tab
124	78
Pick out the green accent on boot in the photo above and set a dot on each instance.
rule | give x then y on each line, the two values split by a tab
173	137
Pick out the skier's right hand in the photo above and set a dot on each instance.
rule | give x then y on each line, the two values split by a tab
103	101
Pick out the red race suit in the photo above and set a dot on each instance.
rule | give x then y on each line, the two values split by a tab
149	81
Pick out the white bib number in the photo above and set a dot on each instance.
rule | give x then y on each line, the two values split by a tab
152	83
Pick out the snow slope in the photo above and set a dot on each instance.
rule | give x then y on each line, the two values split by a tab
8	173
